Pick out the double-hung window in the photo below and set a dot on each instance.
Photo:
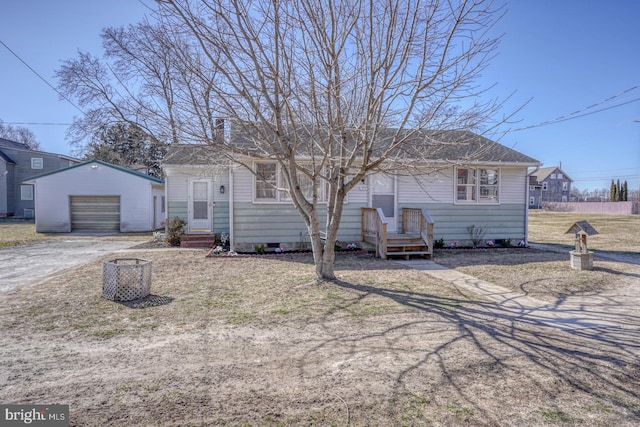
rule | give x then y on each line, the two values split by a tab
266	181
489	182
26	192
306	185
271	184
466	185
477	185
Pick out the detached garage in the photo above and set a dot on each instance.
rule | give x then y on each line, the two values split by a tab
97	196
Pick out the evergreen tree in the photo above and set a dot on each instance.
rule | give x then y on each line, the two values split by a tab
612	191
618	190
625	192
129	146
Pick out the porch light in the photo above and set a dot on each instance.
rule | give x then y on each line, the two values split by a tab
222	189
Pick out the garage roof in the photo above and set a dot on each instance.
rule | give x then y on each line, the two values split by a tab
99	162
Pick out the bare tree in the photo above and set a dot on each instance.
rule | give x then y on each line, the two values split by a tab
133	83
19	134
333	90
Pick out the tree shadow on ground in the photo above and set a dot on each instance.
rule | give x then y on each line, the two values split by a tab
591	349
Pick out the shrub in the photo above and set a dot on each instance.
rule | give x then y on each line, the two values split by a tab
439	244
477	234
175	230
506	243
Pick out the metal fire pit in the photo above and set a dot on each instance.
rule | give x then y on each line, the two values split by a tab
126	279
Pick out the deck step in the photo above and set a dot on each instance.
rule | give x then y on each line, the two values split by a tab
405	244
391	253
407	254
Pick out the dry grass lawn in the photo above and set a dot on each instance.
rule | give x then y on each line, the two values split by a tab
20	232
255	341
545	274
619	233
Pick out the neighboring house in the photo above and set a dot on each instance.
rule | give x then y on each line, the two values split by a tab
548	185
487	191
18	162
97	196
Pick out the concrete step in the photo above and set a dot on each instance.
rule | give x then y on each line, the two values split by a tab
198	241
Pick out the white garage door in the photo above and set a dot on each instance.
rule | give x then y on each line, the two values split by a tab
96	213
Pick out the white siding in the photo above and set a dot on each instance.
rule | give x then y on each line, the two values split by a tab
177	182
439	187
513	185
243	188
359	195
242	185
436	187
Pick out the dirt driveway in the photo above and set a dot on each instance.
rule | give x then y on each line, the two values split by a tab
29	264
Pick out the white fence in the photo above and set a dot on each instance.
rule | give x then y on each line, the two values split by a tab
615	208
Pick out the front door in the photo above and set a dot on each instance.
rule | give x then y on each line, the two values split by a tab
200	206
383	196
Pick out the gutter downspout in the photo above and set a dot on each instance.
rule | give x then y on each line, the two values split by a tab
526	204
231	204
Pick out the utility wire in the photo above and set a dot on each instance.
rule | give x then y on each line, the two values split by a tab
41	78
37	124
584	111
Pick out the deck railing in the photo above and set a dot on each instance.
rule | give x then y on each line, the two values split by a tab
418	221
374	230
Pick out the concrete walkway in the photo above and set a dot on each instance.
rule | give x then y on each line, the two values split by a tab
600	311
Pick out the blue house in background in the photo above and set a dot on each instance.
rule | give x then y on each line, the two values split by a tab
18	162
547	185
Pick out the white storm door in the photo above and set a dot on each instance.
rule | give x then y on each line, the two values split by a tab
383	196
200	206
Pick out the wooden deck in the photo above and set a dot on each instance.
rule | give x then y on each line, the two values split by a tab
416	240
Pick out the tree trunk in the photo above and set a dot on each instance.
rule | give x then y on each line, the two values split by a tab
328	261
323	254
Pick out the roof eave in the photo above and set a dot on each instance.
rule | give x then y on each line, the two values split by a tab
485	163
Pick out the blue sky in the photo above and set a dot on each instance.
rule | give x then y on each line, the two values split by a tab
560	56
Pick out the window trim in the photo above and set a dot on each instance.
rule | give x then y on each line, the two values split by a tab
477	185
24	187
254	196
37	163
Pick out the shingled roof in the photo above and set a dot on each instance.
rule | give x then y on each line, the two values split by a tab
7	143
541	174
434	146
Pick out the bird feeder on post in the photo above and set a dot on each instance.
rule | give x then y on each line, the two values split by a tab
581	258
